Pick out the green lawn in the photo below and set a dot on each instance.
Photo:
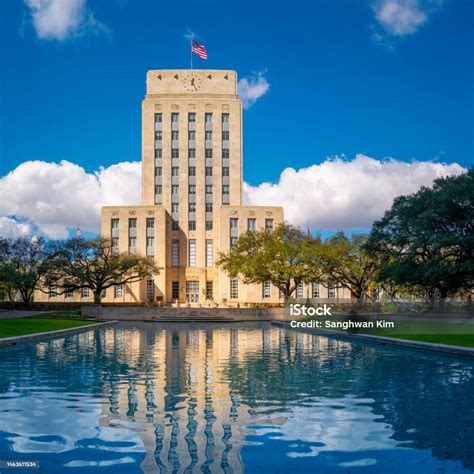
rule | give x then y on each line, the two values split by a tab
466	340
22	326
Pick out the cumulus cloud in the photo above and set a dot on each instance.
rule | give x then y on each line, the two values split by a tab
12	228
59	195
61	19
340	195
252	88
337	194
403	17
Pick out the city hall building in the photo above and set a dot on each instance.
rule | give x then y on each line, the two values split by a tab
192	206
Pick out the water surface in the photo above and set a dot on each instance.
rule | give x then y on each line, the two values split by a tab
150	397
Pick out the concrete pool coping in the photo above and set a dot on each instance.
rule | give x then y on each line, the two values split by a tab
10	341
409	344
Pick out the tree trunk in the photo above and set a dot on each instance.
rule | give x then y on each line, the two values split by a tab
97	297
443	294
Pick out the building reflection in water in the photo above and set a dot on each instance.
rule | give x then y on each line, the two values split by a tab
231	398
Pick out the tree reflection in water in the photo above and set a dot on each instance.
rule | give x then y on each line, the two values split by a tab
228	398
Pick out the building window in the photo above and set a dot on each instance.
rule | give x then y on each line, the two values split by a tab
234	288
192	153
225	189
208	134
192	252
174	189
150	289
225	135
175	153
191	117
158	153
158	135
208	152
234	223
251	224
191	135
268	224
209	253
209	206
233	241
150	223
174	135
225	171
115	243
132	243
208	188
158	118
315	290
175	253
225	153
150	242
300	290
225	118
175	290
174	225
192	225
266	290
208	171
208	118
85	292
175	117
175	171
158	171
69	292
209	225
158	189
114	223
132	223
192	207
53	291
118	291
331	290
192	171
209	290
192	189
174	207
192	291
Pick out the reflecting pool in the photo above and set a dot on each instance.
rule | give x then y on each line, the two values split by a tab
151	397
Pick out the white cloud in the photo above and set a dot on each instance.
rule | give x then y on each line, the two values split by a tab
335	195
12	228
252	88
59	195
403	17
60	19
340	195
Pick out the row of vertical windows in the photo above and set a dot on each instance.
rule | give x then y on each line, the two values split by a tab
191	152
251	223
191	117
192	261
192	207
132	234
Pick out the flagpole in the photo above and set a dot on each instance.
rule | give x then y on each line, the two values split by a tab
191	43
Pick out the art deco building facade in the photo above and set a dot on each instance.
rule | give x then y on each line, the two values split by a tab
192	205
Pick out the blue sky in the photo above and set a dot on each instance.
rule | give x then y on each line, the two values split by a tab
334	89
385	78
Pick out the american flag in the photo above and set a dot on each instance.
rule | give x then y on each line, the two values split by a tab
199	50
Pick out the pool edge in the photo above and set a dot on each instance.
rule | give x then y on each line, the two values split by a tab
11	341
443	349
